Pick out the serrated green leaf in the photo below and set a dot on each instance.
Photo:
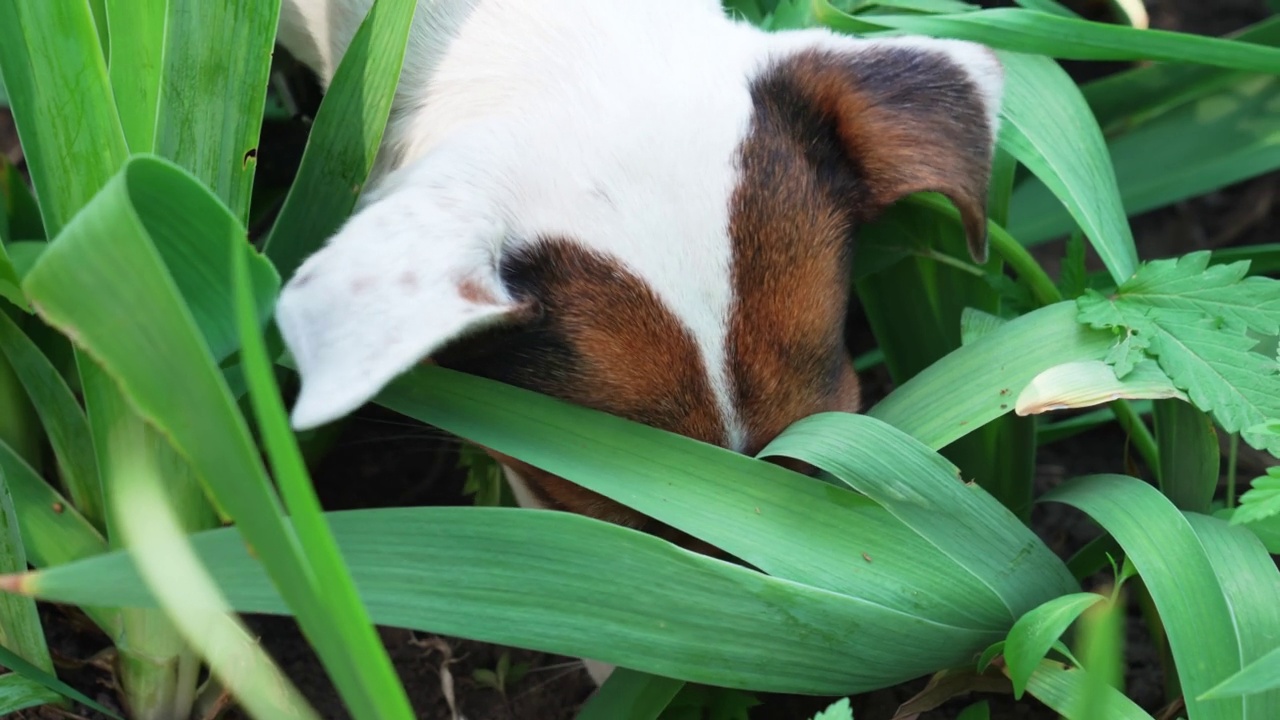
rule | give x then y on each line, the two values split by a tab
1261	501
1195	320
841	710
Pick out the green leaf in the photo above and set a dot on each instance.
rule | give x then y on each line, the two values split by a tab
61	98
978	382
1049	129
1100	642
19	693
20	628
1189	455
1223	138
19	213
370	671
630	695
345	136
61	416
800	528
151	526
1261	676
1262	500
1197	595
1249	576
104	283
920	487
552	581
217	58
1036	631
1059	686
976	711
1194	319
35	677
841	710
137	45
1040	33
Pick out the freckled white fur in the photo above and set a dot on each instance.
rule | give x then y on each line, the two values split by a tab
611	123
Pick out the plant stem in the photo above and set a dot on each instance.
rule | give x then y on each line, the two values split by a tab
1141	436
1233	454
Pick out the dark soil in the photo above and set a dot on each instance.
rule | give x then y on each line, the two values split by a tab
381	459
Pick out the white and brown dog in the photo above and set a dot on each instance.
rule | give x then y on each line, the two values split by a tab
644	208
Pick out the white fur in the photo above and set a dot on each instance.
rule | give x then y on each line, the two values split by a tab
611	123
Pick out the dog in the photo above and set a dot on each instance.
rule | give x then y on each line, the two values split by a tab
645	208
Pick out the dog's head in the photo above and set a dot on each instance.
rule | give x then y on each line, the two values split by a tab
676	253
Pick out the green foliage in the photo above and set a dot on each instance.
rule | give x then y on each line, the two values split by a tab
502	675
1196	320
839	711
701	702
885	568
1262	501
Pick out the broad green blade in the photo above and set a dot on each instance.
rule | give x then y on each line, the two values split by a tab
137	31
20	629
19	693
1029	31
1189	455
924	491
62	103
1141	91
1260	676
1193	595
978	383
553	581
345	136
630	695
41	678
61	415
1049	129
373	676
788	525
1224	138
1058	686
217	57
1034	634
1249	577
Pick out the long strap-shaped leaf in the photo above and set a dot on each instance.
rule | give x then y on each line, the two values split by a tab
61	99
1208	581
923	489
217	57
567	584
104	283
1031	31
345	137
786	524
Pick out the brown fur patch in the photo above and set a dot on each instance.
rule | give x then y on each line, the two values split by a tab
602	340
912	121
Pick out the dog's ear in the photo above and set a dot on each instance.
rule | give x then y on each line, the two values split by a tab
912	114
416	267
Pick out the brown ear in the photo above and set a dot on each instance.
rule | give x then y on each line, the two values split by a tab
912	114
